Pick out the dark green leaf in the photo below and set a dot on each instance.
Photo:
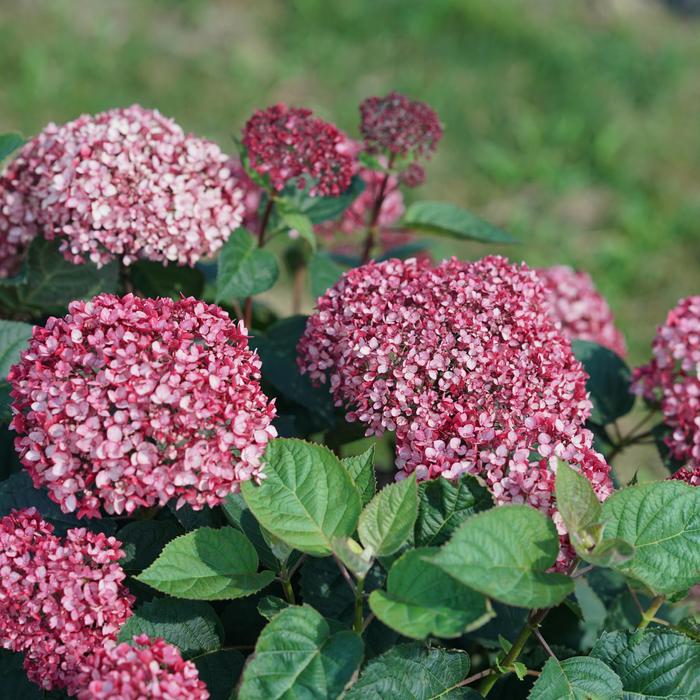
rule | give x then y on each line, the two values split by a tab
324	272
14	681
244	269
446	219
14	337
220	671
270	605
297	657
320	209
593	611
443	505
239	515
9	143
577	678
143	540
505	553
608	381
153	279
193	628
307	497
654	664
207	564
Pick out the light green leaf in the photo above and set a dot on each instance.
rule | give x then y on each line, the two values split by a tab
193	628
361	470
577	678
505	553
608	381
655	664
207	564
244	269
9	143
324	272
358	560
387	520
414	671
14	337
296	656
299	222
307	497
446	219
422	600
662	521
443	505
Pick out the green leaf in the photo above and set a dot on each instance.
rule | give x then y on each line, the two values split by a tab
207	564
443	505
270	605
220	671
361	470
504	553
422	600
53	282
662	521
14	337
297	221
324	272
15	684
9	143
193	628
654	664
592	609
608	381
576	678
153	279
296	656
446	219
307	497
356	559
244	269
690	627
414	671
143	540
387	520
320	209
238	514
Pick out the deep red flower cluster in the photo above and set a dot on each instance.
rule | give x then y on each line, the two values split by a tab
397	125
127	183
60	600
691	475
580	309
290	145
672	379
145	669
129	402
465	364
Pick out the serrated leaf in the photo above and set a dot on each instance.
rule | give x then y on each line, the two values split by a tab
9	143
443	505
445	219
14	337
15	684
654	664
207	564
414	671
270	605
505	553
307	497
324	272
662	521
238	514
143	540
220	671
297	656
361	470
577	678
244	269
608	381
153	279
422	600
193	628
387	520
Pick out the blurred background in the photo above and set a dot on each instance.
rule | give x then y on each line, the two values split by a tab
573	123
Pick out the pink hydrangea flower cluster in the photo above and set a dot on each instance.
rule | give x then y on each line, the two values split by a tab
60	600
146	669
127	183
580	309
672	379
400	126
290	145
129	402
464	363
691	475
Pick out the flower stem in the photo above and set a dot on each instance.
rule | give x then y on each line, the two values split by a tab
374	217
358	624
286	581
649	614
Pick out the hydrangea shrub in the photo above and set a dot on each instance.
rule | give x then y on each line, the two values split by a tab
409	491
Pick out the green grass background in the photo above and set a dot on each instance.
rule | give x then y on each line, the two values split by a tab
574	123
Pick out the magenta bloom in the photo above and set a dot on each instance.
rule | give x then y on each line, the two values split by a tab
148	669
129	402
689	475
580	309
290	145
672	379
60	600
127	184
465	365
398	125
